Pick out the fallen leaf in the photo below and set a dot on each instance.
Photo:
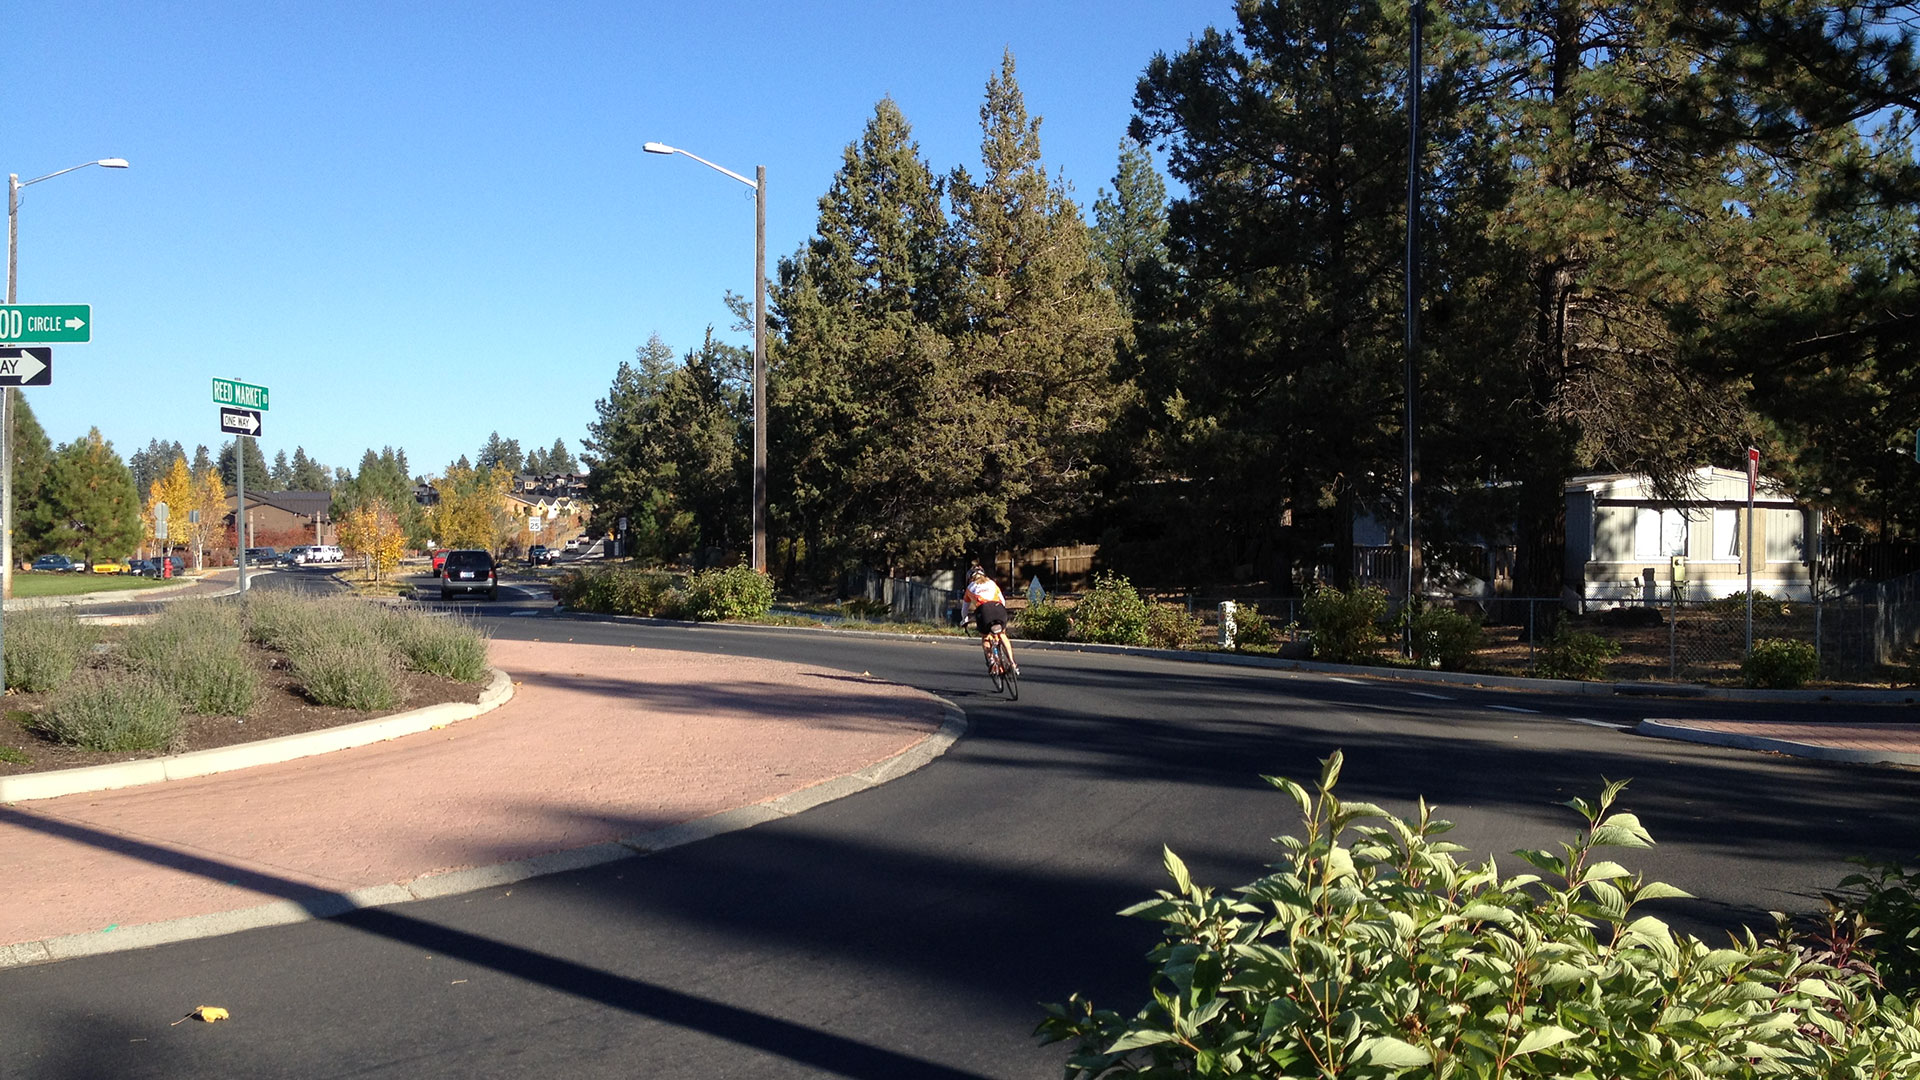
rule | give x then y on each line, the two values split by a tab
210	1013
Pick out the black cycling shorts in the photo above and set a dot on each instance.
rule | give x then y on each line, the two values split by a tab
988	614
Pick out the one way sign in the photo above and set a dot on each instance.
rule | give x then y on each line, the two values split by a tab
26	367
240	421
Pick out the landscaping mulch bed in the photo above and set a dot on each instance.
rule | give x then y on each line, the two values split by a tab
280	710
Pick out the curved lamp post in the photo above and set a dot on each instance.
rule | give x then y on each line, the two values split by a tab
14	184
759	186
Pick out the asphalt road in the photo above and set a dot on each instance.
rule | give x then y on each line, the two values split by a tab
909	931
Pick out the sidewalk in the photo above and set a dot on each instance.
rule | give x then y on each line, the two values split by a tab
1884	743
603	752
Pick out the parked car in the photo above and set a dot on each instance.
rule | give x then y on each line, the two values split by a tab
540	555
262	556
439	560
326	553
144	567
59	563
469	570
300	555
108	566
179	565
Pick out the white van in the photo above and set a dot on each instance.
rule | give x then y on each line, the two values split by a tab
326	553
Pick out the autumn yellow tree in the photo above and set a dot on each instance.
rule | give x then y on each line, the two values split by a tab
472	511
175	488
373	531
209	496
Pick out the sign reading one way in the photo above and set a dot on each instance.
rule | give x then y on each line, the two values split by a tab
46	324
26	367
245	395
240	422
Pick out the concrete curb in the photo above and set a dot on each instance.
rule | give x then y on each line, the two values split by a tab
1680	731
47	785
324	905
1442	678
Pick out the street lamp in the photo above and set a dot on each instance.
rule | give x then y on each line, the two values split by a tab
14	185
759	186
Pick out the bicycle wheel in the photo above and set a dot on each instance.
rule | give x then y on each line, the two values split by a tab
1010	675
995	669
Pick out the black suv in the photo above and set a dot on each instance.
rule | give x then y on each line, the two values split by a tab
469	570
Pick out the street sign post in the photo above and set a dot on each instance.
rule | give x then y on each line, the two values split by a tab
26	367
46	324
240	422
244	395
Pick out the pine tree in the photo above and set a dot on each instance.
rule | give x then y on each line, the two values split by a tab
32	454
91	508
259	476
498	451
1034	336
862	374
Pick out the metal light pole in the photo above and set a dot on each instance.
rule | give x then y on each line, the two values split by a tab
759	186
14	184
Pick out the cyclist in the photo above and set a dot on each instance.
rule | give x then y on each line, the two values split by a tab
988	607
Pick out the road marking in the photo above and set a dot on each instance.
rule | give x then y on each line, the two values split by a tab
1349	682
1600	723
1514	708
1424	694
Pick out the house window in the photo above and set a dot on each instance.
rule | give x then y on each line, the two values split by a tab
1659	533
1726	535
1786	536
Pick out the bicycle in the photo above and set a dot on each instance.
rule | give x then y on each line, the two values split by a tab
1000	667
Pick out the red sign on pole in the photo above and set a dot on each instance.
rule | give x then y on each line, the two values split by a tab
1753	472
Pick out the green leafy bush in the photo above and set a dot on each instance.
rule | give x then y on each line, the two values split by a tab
347	676
1371	951
1780	664
1172	626
1886	898
1045	621
1111	613
1574	654
620	591
43	648
1764	606
1443	638
1252	630
737	592
195	649
1345	625
112	711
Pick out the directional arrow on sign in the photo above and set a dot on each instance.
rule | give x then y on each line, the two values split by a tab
240	421
26	367
75	324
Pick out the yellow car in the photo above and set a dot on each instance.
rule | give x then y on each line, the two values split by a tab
110	567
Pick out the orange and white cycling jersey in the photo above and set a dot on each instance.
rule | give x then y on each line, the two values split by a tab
984	592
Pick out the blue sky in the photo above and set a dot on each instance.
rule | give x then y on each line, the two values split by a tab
420	223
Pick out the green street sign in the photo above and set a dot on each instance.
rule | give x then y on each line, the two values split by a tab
46	324
245	395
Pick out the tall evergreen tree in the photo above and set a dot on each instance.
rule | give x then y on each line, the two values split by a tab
282	472
1034	335
147	465
32	460
90	508
559	459
499	451
308	474
862	383
1277	364
259	475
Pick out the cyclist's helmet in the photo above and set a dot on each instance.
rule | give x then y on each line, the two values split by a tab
976	574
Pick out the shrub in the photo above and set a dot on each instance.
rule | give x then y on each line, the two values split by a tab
1764	606
347	676
112	711
1887	900
1045	621
1443	638
1780	664
737	592
450	647
1573	654
1371	951
1172	626
1111	613
43	648
1345	625
1252	630
194	650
